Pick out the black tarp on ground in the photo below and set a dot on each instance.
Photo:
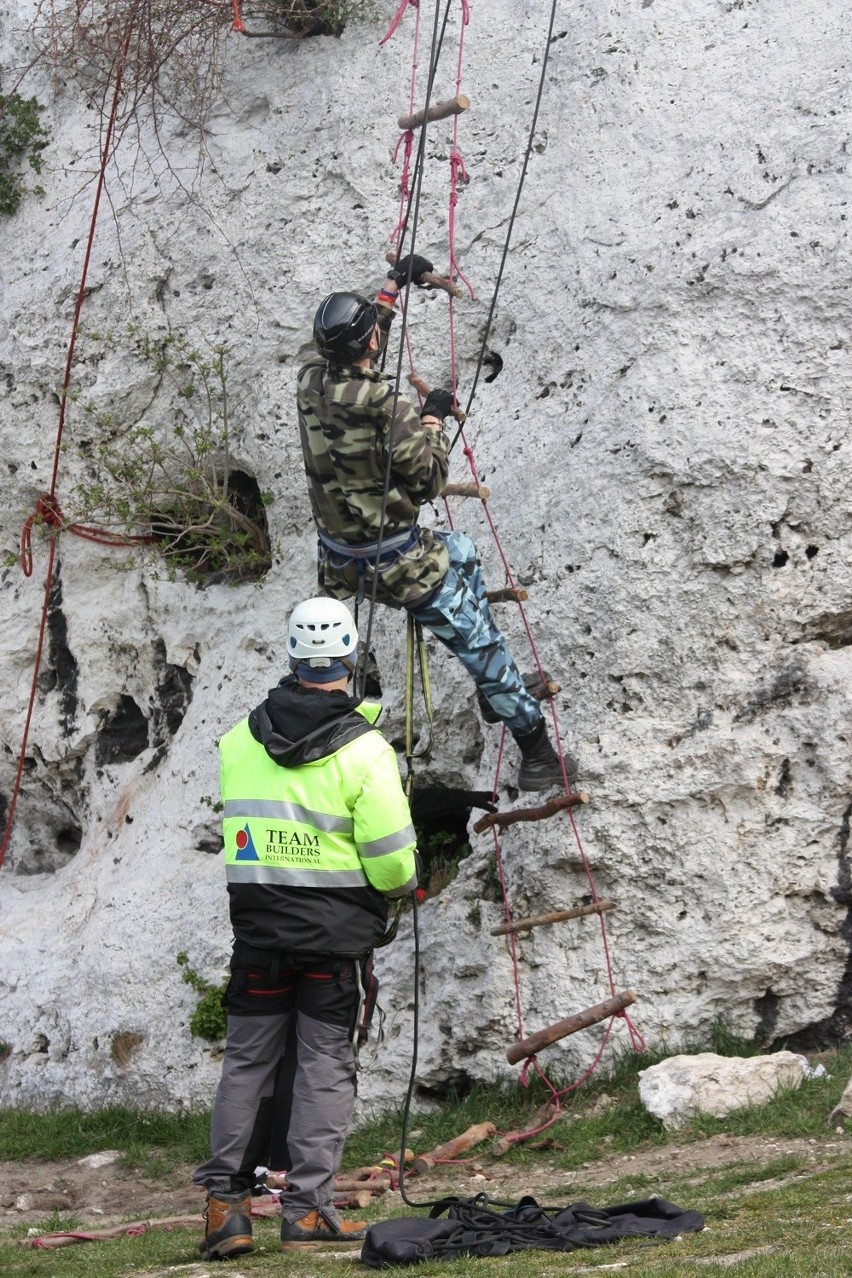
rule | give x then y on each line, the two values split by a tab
471	1229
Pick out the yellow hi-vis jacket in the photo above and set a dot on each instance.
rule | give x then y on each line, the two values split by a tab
313	851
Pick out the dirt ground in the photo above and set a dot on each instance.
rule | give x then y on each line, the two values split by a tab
98	1191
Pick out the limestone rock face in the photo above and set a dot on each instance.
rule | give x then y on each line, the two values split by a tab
677	1088
662	419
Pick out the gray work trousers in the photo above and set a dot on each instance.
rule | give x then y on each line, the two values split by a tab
323	1096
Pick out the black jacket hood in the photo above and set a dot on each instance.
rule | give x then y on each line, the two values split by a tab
298	725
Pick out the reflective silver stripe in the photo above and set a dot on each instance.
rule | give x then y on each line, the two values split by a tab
403	891
289	877
390	843
288	812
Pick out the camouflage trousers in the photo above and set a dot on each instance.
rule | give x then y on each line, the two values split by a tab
458	614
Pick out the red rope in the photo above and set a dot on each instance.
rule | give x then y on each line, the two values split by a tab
48	512
397	18
47	507
406	139
237	24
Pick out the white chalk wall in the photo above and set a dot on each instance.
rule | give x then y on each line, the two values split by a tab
667	446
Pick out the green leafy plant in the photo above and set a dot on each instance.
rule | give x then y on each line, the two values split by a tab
22	139
209	1020
441	852
172	486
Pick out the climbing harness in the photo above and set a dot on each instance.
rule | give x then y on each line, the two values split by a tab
341	554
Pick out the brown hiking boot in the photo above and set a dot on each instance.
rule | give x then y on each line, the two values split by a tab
314	1230
228	1226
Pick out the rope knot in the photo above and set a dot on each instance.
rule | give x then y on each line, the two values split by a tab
457	167
48	511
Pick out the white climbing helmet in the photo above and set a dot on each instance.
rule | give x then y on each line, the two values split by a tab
321	632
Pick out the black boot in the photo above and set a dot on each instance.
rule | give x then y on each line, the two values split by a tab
540	766
227	1230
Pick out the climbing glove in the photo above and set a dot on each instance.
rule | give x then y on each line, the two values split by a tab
438	403
417	266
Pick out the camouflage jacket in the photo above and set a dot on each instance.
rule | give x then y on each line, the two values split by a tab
347	423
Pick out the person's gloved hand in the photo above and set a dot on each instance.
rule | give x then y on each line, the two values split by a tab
416	264
438	403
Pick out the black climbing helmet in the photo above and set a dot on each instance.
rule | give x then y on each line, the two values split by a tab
343	326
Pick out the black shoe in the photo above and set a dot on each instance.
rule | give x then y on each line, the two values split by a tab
314	1230
489	714
227	1230
540	766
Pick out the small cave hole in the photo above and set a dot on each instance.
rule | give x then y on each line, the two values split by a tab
441	815
123	734
811	551
495	363
68	841
212	545
780	559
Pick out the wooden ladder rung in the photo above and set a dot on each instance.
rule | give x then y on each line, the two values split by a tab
508	594
438	111
556	916
467	490
549	809
570	1025
543	1117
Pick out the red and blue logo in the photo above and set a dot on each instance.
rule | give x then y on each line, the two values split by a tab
246	850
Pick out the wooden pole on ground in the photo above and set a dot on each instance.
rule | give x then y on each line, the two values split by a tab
459	1145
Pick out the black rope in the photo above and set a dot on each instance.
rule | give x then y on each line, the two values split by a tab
511	226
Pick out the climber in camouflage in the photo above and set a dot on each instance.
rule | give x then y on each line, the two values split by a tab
371	461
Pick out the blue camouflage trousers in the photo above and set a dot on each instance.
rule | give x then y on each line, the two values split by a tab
458	614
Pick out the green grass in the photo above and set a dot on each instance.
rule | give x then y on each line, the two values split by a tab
153	1139
790	1215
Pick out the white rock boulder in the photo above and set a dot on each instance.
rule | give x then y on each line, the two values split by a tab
681	1086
